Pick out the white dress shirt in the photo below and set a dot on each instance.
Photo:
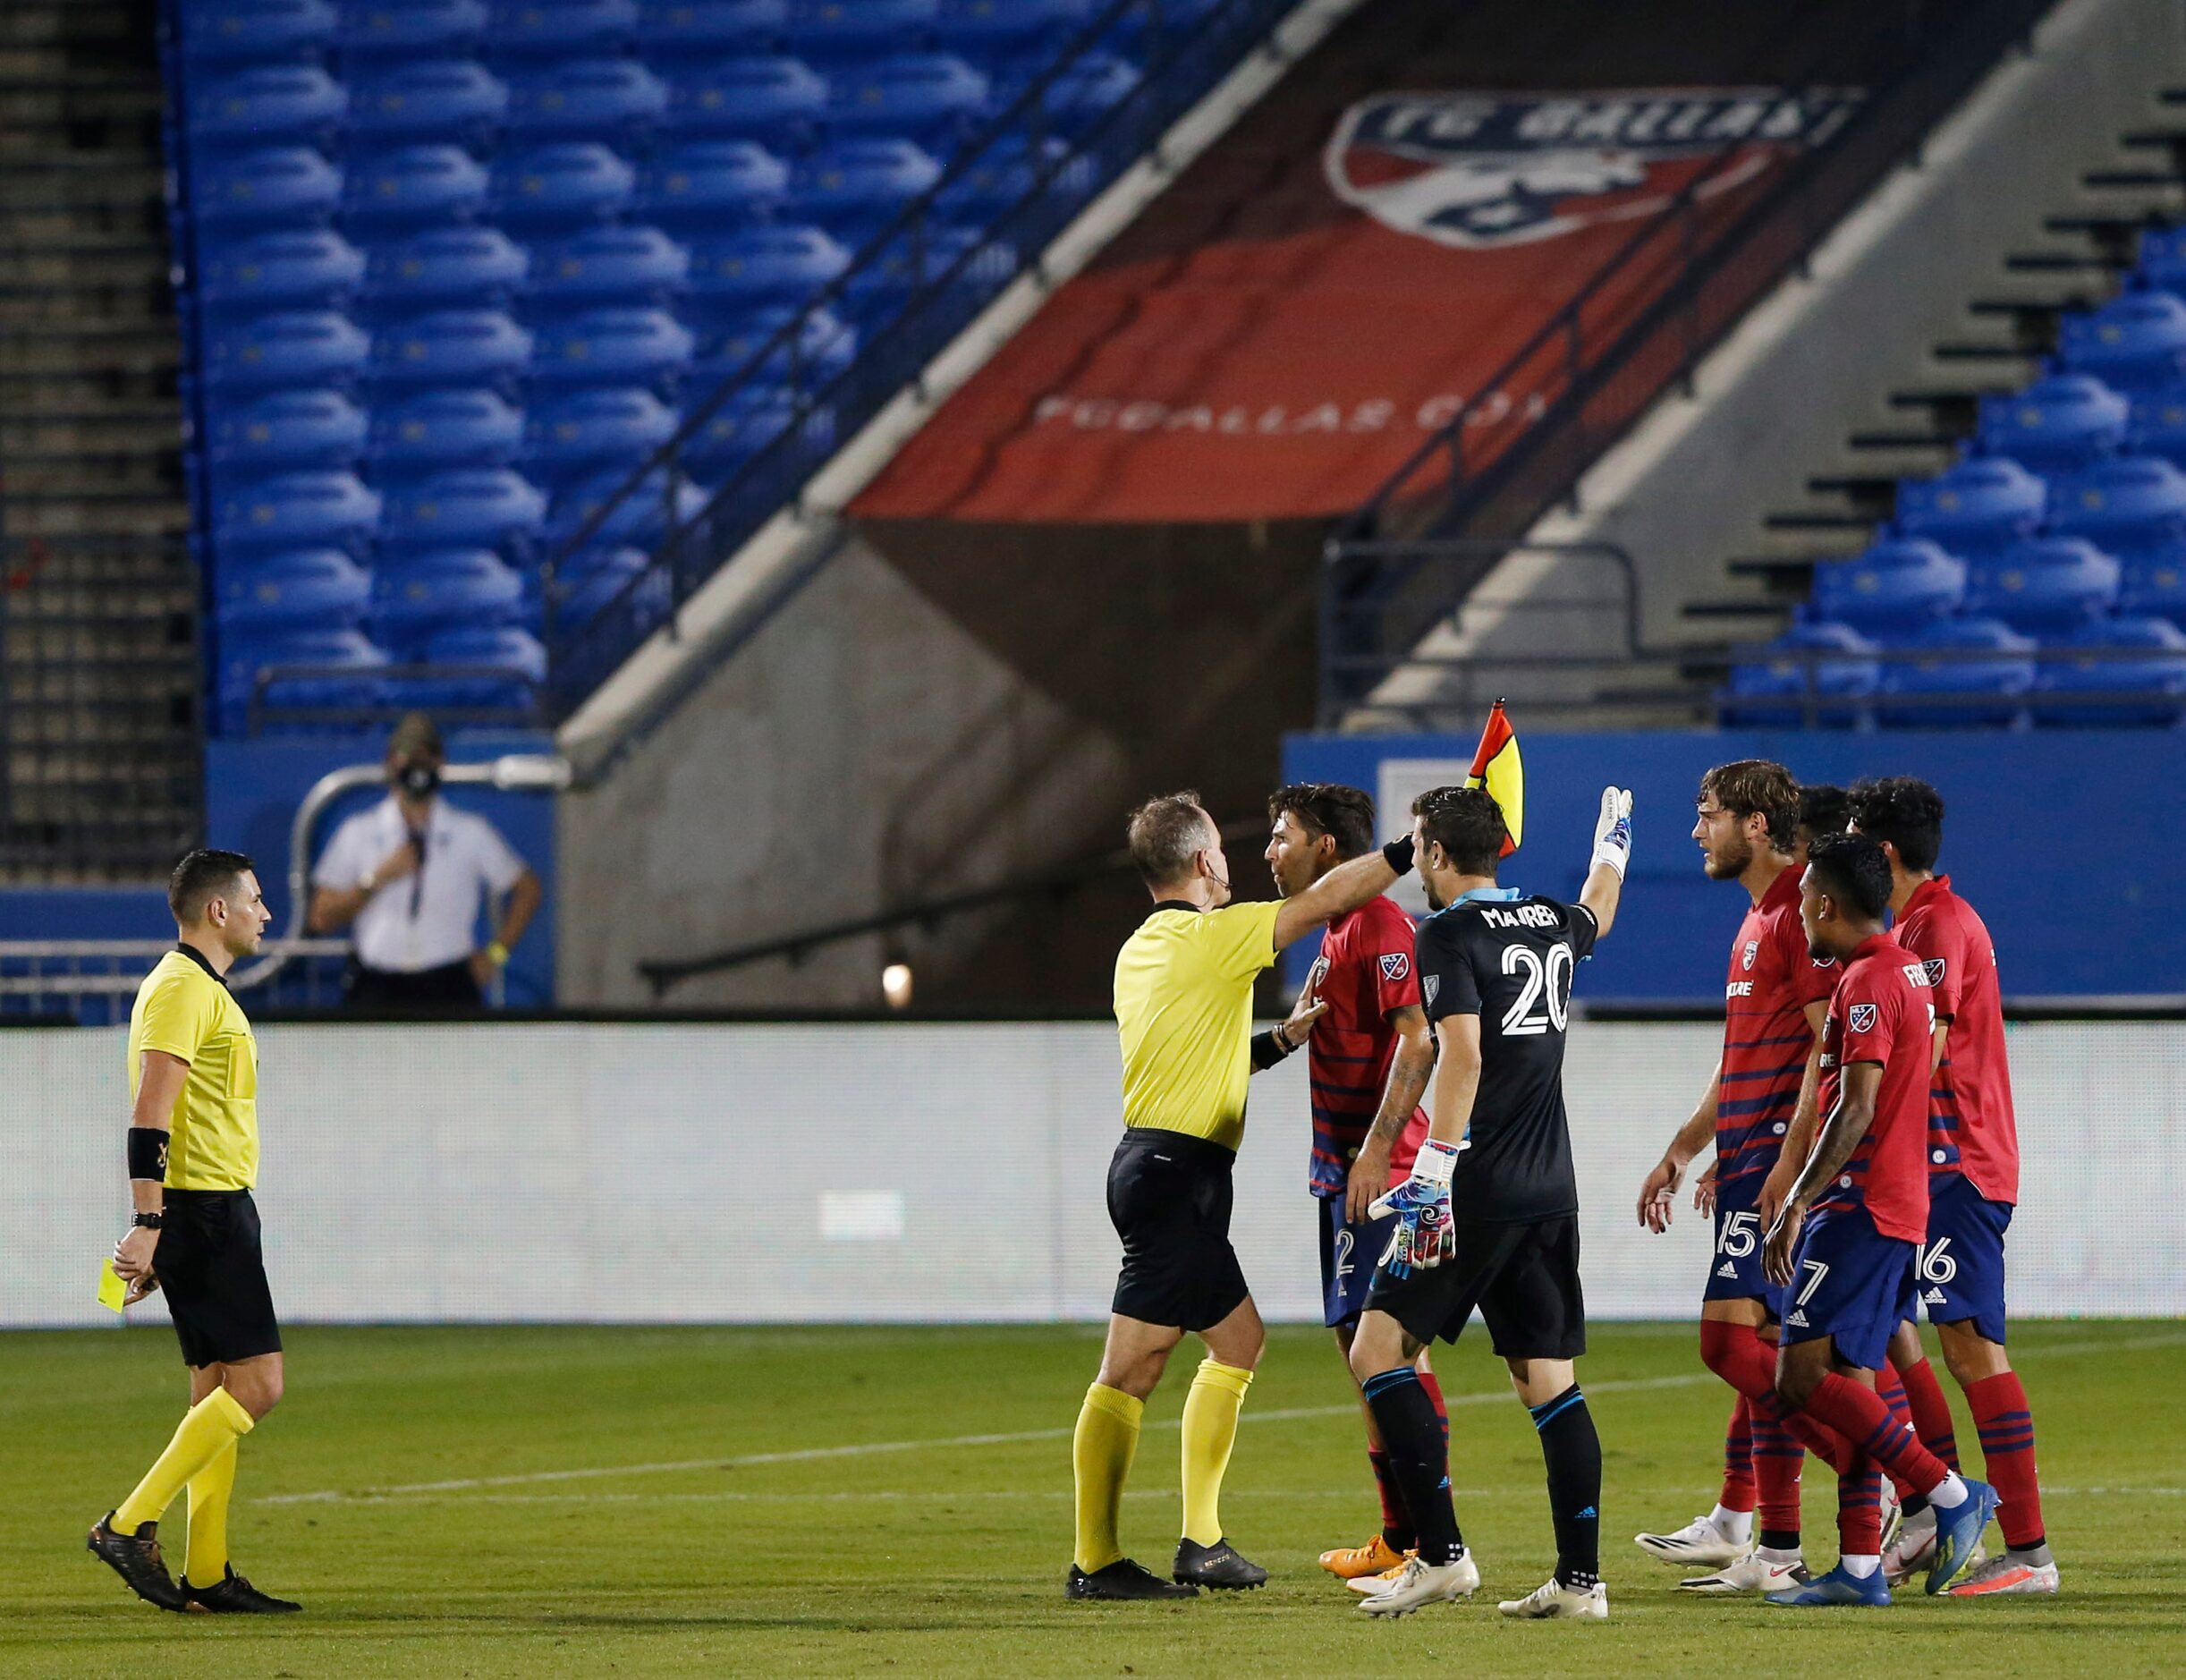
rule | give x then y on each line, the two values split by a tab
431	917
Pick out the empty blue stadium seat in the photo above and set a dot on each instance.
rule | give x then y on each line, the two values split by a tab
346	673
854	29
273	269
2136	341
563	186
1084	91
454	100
581	433
2159	425
559	28
924	255
478	265
1772	692
2154	668
317	508
1894	586
1980	506
2058	424
2163	258
508	667
820	349
240	29
410	28
708	183
1947	664
435	429
991	25
1009	170
587	580
614	100
287	429
415	595
307	589
291	185
613	346
291	347
268	104
771	263
2155	586
451	347
750	421
2128	506
777	98
925	94
637	521
411	187
2048	585
860	182
627	264
669	30
464	508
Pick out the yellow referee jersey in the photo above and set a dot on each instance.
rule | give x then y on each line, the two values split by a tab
1183	1008
187	1010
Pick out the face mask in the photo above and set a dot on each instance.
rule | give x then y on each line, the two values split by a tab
419	781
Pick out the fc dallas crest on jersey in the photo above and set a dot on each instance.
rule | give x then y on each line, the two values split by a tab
1753	950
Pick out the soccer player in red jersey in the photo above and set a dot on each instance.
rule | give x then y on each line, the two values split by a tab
1845	1248
1973	1185
1369	1059
1775	996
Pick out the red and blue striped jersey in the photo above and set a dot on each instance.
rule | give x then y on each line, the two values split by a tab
1365	973
1765	1039
1971	1129
1882	1011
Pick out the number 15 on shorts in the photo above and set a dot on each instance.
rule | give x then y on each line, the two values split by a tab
1739	1235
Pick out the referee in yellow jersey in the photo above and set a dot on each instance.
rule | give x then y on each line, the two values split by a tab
193	1154
1184	1009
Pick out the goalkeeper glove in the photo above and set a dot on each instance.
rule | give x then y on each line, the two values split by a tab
1613	834
1424	1235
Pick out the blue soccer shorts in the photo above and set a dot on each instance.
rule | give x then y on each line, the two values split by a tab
1960	1276
1734	1269
1849	1283
1349	1254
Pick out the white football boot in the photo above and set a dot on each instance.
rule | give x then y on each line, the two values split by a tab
2006	1574
1700	1542
1555	1601
1751	1573
1423	1583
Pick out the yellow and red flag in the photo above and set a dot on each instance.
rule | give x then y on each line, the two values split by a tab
1497	768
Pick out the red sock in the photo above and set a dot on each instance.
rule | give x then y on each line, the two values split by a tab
1737	1354
1738	1468
2001	1418
1396	1529
1891	1391
1857	1413
1931	1412
1778	1461
1860	1510
1442	1409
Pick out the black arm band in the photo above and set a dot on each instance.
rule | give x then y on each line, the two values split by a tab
1397	854
148	1153
1267	1050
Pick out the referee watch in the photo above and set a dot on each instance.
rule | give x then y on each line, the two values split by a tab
148	1221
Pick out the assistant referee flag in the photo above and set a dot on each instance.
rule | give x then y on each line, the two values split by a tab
1496	766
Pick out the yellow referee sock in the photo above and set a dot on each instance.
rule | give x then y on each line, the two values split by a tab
209	1428
1106	1441
1210	1426
206	1561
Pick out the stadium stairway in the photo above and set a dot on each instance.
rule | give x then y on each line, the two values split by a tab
99	674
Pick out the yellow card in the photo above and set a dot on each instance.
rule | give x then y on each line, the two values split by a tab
112	1291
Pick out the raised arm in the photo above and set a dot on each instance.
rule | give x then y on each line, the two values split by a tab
1612	850
1847	1123
1343	888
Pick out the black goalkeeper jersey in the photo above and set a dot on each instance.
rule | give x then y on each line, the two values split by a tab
1509	957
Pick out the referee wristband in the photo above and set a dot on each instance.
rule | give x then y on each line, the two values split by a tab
1267	1049
1397	854
148	1153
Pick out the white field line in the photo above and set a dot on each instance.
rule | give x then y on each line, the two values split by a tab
863	1449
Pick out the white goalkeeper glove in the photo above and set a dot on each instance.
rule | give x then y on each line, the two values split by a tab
1613	834
1424	1235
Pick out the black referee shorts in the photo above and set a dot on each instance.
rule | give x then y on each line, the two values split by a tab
1524	1278
1169	1197
213	1273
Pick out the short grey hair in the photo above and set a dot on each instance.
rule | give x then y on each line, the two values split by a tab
1167	833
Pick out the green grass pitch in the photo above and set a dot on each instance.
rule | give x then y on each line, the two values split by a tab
635	1502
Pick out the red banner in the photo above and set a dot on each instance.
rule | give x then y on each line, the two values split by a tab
1286	369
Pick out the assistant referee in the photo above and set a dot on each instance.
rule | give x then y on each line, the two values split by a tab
1183	1010
193	1154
